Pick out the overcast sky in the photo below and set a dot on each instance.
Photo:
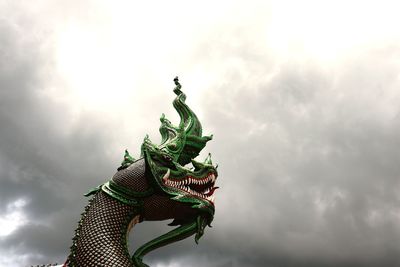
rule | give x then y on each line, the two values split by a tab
303	99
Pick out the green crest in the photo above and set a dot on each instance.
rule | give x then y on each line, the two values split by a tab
179	146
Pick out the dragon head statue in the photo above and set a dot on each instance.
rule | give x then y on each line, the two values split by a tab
179	147
157	186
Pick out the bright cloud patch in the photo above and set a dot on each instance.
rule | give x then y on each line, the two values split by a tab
13	218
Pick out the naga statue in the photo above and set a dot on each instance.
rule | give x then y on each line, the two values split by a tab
157	186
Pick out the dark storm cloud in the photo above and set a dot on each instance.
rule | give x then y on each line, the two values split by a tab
41	161
310	163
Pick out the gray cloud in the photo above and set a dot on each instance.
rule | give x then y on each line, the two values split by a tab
319	163
307	151
40	161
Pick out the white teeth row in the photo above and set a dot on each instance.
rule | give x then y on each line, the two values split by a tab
189	180
182	185
187	189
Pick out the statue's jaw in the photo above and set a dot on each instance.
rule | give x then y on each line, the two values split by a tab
191	186
195	187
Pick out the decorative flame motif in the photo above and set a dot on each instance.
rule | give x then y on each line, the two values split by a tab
185	142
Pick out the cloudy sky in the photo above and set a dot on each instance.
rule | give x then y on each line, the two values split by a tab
303	99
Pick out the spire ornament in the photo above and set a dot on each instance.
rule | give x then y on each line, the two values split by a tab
184	142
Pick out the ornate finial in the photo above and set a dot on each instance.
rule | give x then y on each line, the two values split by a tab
183	142
177	89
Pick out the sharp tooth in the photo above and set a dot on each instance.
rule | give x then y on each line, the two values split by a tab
212	199
213	178
166	176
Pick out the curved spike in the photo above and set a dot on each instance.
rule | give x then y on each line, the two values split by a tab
166	175
201	224
208	159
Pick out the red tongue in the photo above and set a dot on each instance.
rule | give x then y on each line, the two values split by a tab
212	191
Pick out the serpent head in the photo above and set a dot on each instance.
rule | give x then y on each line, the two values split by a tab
179	147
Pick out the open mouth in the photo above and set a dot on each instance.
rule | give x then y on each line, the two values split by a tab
200	187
